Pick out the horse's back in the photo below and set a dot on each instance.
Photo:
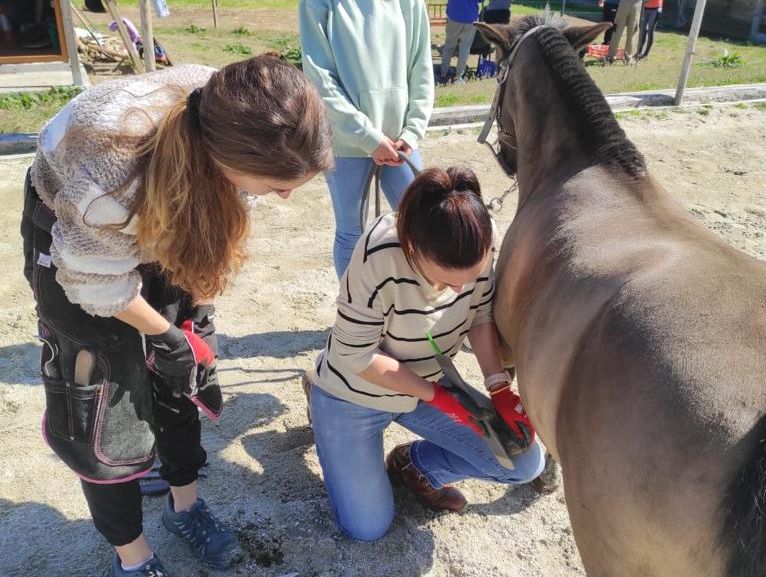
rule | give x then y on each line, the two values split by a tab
641	352
668	385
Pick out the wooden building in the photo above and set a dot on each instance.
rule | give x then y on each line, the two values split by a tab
37	45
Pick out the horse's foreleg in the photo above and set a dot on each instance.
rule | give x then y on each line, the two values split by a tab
506	354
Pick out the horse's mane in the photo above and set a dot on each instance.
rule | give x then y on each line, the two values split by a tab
598	127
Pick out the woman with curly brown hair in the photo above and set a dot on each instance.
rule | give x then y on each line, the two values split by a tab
135	217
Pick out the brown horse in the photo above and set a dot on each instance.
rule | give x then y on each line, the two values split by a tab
639	337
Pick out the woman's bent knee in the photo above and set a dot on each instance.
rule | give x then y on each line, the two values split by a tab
366	529
527	466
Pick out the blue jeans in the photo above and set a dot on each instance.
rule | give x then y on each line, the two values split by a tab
349	440
345	181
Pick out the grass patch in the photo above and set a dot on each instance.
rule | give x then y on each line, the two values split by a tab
242	31
446	99
760	106
238	49
659	114
623	114
29	100
28	111
194	29
284	42
659	71
728	60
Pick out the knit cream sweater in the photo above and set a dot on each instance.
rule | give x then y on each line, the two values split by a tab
77	167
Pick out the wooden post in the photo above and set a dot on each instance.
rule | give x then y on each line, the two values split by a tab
147	33
135	61
71	43
215	13
699	9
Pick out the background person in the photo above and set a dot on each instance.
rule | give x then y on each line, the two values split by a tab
461	14
371	62
626	20
426	268
649	19
497	12
133	222
608	12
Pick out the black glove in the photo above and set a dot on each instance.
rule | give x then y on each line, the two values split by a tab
175	356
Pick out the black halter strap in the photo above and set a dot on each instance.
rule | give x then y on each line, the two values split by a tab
504	69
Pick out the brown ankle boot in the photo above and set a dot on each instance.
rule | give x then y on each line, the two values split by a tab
402	472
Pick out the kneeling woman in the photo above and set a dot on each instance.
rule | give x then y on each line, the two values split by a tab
427	268
133	221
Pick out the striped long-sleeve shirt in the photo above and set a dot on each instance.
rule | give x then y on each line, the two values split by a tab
386	306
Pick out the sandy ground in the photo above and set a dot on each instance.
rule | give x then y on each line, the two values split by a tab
264	476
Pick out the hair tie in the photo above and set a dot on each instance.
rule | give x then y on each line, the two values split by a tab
192	105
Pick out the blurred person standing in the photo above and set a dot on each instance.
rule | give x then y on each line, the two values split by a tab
608	12
649	19
371	62
461	14
497	12
626	20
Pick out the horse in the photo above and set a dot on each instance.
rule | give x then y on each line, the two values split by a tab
637	335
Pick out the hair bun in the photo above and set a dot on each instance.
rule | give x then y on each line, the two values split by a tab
463	179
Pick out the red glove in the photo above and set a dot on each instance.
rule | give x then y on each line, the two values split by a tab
198	341
508	406
206	392
448	404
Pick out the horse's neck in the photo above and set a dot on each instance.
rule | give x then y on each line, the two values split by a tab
549	143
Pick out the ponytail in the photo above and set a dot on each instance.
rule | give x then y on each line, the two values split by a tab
442	218
189	215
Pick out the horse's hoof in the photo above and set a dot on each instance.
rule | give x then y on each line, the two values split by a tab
550	479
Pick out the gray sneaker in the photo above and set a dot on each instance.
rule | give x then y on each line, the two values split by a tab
152	568
210	539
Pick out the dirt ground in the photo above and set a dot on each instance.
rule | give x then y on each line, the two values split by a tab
264	477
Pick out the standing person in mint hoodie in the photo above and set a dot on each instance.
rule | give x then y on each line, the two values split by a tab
461	14
371	61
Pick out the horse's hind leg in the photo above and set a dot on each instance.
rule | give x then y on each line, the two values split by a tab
639	505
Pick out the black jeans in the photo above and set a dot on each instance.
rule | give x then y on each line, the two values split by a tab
106	428
649	19
608	14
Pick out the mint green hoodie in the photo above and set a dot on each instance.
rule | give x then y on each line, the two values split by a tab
371	62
